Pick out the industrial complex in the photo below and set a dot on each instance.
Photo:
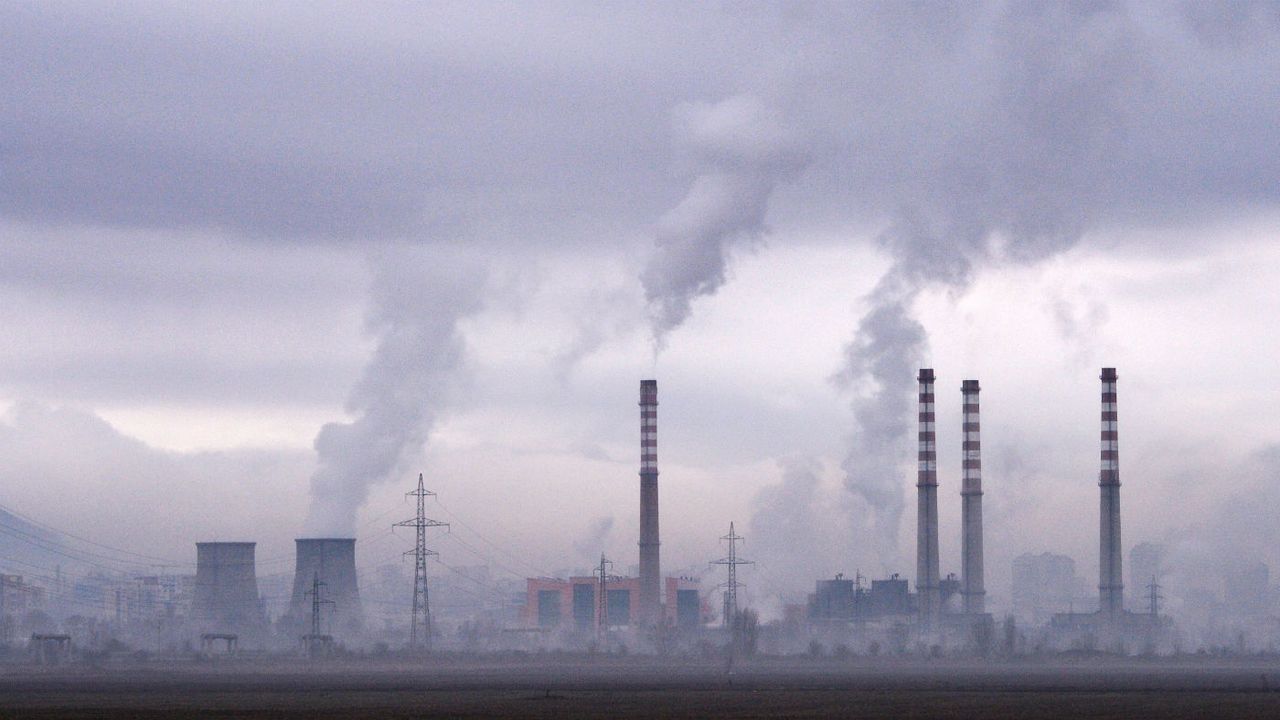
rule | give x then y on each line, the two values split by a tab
320	608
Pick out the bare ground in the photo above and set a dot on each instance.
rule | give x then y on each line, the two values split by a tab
627	688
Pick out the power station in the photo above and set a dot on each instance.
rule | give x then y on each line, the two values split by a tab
323	605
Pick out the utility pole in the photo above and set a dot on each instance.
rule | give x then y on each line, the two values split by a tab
731	587
1154	597
602	600
421	601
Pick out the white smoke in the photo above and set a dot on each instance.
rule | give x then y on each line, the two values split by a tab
419	296
591	544
798	531
739	150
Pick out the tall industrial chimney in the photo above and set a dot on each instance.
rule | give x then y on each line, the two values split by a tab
650	591
1110	579
972	588
927	571
226	593
333	560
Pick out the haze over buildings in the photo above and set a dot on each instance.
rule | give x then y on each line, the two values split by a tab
253	287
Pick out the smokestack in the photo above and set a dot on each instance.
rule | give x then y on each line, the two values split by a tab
226	593
927	572
972	588
334	561
1110	582
650	572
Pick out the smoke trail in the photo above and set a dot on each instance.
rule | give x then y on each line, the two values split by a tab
797	530
739	151
418	298
592	541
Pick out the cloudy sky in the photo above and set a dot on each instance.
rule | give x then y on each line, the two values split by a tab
261	264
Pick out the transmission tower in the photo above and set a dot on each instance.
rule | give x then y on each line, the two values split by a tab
317	603
421	601
732	585
1154	597
602	599
316	642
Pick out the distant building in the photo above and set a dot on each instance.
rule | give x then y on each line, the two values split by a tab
841	600
17	596
572	603
833	600
1045	585
1146	564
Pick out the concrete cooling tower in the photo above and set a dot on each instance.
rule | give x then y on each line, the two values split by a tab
226	593
333	560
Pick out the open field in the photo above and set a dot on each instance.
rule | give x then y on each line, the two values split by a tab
559	688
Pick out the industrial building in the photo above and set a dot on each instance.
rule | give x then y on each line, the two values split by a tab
844	600
1046	584
574	603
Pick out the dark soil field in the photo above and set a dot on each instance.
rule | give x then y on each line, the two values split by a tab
636	688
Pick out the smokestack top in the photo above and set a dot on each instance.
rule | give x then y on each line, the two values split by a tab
969	386
219	543
325	540
926	375
1109	374
648	392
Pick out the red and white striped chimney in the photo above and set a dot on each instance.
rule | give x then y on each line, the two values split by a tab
650	590
1110	582
972	587
927	570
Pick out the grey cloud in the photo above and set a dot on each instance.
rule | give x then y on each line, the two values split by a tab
70	469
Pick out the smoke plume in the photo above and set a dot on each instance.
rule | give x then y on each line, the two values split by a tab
591	544
797	530
419	296
739	151
1017	198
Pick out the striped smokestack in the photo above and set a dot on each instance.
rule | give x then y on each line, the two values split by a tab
927	572
972	588
650	591
1110	582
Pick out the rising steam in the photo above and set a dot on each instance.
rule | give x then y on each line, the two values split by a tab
418	298
739	151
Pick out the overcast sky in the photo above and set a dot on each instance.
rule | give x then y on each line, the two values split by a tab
261	264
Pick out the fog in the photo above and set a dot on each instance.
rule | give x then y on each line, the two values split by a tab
263	265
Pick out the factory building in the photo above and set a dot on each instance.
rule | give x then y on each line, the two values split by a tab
842	600
574	603
1046	584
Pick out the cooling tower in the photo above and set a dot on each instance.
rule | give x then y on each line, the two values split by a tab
650	591
226	593
333	560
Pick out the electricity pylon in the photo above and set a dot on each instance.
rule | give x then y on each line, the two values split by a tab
732	585
421	601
